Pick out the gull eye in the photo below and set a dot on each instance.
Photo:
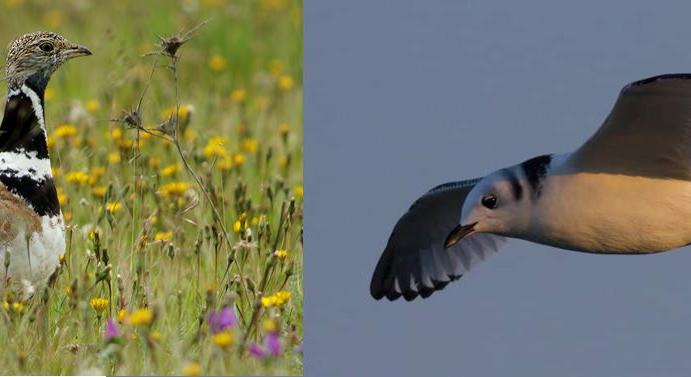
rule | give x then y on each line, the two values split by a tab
46	47
489	201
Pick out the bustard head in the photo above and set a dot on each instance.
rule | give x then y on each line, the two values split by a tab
33	57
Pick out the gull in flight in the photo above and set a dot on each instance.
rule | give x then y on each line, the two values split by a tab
626	190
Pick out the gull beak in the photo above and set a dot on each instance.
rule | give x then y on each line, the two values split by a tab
458	233
75	51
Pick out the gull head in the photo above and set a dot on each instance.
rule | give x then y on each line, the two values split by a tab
494	205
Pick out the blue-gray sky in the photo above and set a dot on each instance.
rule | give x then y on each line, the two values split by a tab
402	95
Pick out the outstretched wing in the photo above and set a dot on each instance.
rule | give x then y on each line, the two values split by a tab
415	261
647	133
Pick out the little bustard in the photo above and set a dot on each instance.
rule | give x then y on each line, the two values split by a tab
32	231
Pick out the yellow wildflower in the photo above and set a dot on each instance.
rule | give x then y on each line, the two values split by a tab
215	147
223	339
239	159
189	134
62	197
214	150
221	140
163	236
67	216
65	131
113	157
169	170
250	145
281	254
125	143
283	161
184	112
237	226
238	95
99	191
154	336
96	174
140	317
217	63
113	207
269	325
17	306
122	315
116	134
174	189
99	304
285	82
268	301
192	369
241	223
154	162
299	191
77	177
277	299
282	297
92	105
226	163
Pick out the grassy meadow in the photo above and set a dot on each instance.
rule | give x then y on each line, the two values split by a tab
184	232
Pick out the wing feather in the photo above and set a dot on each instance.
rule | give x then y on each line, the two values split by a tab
415	262
647	133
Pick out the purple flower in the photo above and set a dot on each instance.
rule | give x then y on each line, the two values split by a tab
111	330
221	320
271	347
273	343
257	351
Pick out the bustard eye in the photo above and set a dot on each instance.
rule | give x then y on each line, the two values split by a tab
489	201
46	47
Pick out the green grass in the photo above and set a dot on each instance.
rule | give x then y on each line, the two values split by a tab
179	278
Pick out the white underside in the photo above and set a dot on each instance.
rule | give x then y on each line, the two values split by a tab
31	270
612	213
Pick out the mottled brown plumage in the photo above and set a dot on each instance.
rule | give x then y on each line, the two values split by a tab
15	216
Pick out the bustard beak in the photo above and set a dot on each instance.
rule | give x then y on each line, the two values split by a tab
75	51
458	233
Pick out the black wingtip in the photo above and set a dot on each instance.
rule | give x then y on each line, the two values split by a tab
653	79
375	293
379	277
383	281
